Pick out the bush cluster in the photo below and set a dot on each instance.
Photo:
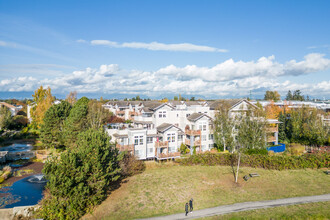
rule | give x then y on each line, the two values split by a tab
277	162
129	165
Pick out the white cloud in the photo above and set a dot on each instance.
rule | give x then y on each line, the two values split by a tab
187	47
228	78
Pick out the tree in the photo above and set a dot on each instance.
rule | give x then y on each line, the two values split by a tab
289	95
175	98
297	96
250	134
72	98
272	111
80	178
272	95
224	128
42	99
192	99
51	132
164	100
97	115
76	122
5	117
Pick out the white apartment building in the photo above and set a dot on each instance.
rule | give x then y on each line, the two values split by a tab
158	129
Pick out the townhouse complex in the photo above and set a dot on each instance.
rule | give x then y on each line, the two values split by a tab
158	129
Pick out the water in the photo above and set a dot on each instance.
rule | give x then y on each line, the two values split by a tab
17	148
25	192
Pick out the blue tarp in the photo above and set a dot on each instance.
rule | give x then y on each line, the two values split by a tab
277	149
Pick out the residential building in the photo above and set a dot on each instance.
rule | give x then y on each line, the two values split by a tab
158	129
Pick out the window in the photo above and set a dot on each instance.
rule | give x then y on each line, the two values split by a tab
136	140
200	127
177	115
211	137
162	114
138	152
204	127
180	137
187	115
204	148
210	146
150	150
171	149
171	137
149	140
203	137
141	140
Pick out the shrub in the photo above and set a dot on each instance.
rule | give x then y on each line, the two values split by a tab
262	151
277	162
130	165
184	149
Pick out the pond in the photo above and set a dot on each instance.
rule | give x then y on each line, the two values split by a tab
16	151
25	192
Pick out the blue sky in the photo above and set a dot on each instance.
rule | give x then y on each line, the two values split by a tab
212	49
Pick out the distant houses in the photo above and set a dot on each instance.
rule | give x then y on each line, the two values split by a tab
13	109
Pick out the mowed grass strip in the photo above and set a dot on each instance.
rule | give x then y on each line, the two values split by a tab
318	210
164	188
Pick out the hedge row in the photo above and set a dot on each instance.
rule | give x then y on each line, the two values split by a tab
277	162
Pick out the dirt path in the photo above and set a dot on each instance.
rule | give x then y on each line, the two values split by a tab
245	206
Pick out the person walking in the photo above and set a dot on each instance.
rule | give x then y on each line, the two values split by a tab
186	208
191	204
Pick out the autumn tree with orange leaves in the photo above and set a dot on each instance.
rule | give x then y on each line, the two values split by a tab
42	99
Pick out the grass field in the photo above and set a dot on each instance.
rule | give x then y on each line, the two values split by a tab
318	210
164	188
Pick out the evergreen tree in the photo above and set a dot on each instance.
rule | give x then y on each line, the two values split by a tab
289	95
5	117
76	121
80	178
51	132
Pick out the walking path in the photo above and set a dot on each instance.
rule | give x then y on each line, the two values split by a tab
245	206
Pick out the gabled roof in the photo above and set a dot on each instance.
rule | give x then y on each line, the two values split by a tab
231	103
165	126
7	105
196	116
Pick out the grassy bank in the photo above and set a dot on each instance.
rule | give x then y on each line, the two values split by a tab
319	210
164	188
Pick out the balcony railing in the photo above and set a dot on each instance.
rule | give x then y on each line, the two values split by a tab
128	148
196	142
161	144
193	132
168	155
272	129
120	112
271	139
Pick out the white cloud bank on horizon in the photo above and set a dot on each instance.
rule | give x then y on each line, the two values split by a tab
186	47
228	78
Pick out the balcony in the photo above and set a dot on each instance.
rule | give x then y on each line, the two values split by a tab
193	132
272	129
168	155
271	139
196	142
128	148
120	112
161	144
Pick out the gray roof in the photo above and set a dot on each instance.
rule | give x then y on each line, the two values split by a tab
165	126
120	135
223	102
195	116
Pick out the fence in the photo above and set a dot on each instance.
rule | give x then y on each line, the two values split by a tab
277	149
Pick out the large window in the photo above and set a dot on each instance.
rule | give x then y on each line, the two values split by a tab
180	137
203	137
162	114
149	140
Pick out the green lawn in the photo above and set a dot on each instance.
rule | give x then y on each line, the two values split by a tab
163	189
319	210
